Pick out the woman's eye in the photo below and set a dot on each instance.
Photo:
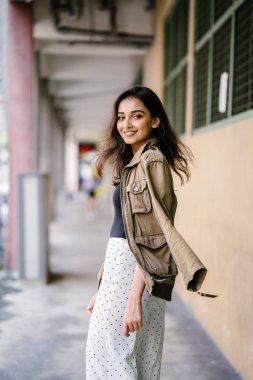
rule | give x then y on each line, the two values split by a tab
136	116
120	118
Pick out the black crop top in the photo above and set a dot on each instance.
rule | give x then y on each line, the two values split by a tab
117	229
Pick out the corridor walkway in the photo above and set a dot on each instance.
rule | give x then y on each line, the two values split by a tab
43	327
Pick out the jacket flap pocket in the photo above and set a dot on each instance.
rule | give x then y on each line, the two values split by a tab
137	186
151	241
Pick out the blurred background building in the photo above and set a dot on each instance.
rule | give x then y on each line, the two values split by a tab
62	63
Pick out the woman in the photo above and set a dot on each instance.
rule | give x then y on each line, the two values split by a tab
125	337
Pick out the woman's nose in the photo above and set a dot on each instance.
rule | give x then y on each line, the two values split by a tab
128	123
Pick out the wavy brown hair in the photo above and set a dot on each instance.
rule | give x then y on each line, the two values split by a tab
115	151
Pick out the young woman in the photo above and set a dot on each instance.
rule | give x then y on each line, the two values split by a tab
126	330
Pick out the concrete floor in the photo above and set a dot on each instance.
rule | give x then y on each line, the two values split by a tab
43	328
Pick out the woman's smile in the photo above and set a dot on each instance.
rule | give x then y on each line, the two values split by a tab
130	133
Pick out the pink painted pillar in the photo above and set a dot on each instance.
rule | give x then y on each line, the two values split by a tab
19	95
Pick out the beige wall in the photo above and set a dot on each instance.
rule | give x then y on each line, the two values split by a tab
215	215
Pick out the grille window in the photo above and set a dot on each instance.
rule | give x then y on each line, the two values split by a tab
175	102
223	69
181	98
170	102
176	40
169	56
243	69
203	18
182	32
176	37
201	78
220	7
221	54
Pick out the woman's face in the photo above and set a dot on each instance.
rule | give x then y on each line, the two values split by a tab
135	123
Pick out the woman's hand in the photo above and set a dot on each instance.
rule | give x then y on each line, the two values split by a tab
132	320
91	304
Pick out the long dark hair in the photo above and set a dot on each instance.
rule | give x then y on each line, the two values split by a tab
119	154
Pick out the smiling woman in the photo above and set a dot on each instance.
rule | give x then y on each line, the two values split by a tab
144	251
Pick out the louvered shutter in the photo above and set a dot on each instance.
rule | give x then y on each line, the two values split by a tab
220	7
201	82
243	59
176	42
203	18
221	55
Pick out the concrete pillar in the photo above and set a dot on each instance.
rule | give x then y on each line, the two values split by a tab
58	142
58	155
51	140
19	113
45	121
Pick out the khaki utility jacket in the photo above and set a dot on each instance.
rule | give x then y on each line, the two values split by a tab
148	206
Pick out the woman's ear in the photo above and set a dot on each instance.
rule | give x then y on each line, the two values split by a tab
155	122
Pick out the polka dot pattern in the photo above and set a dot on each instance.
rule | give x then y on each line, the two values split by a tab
109	354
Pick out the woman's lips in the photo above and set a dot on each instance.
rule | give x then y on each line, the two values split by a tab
130	133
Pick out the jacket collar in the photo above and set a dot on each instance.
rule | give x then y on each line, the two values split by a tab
137	157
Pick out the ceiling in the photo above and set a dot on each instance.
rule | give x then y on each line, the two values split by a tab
89	54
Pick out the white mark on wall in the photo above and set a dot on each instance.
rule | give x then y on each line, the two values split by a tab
223	92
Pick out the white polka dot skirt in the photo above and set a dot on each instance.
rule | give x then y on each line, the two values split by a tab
109	354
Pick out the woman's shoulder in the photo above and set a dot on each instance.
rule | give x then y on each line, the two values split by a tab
153	153
154	159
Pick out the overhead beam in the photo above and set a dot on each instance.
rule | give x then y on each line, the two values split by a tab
92	50
82	89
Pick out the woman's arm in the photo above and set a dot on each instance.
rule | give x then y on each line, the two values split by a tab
132	320
162	193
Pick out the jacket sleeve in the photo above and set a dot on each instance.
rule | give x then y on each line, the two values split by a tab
160	185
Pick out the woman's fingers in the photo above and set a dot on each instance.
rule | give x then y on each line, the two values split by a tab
137	325
91	304
89	309
132	320
130	327
125	329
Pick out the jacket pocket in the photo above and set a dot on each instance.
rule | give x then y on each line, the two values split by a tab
151	241
139	196
156	253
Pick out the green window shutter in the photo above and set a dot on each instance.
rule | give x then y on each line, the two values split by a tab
182	30
200	86
139	77
221	55
180	102
175	102
172	41
176	35
176	43
170	102
167	47
243	59
203	18
220	7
